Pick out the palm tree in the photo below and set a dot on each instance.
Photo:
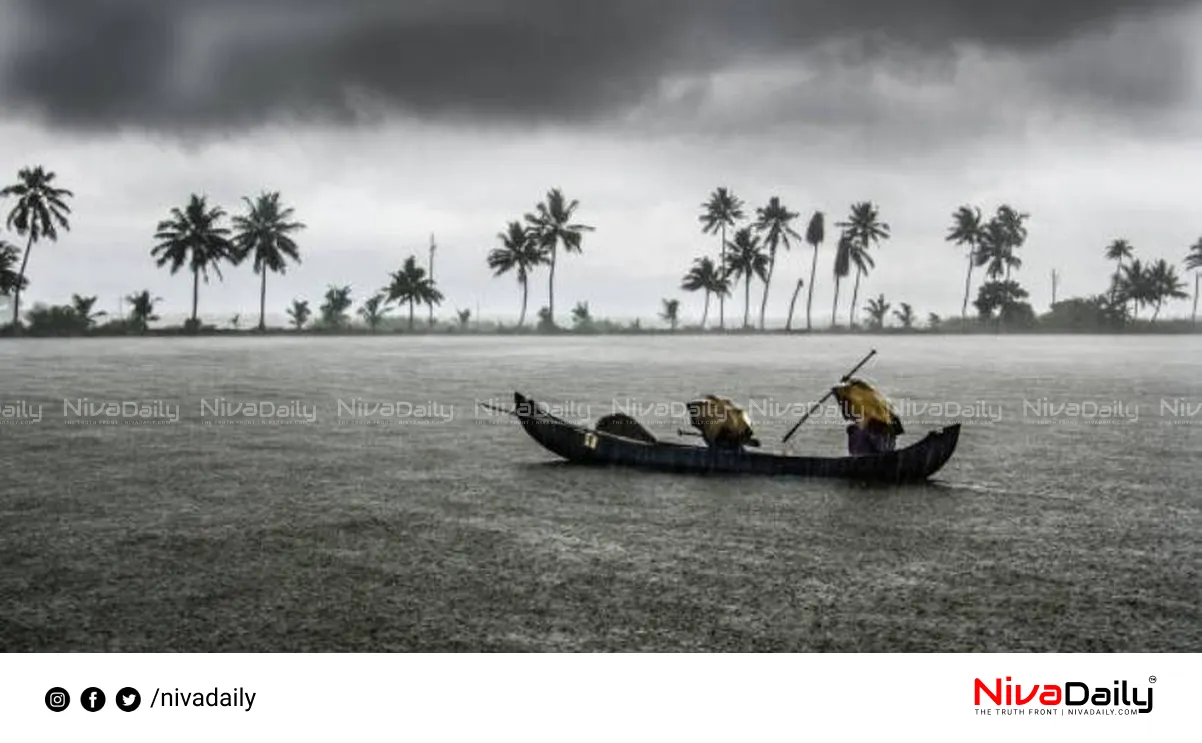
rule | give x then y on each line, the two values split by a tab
299	313
934	321
582	319
83	307
815	235
1193	262
235	321
1118	250
195	236
1165	284
746	259
141	309
265	232
905	315
775	222
1014	225
410	284
995	251
705	276
519	252
723	210
9	277
671	312
333	310
842	269
40	211
1134	286
967	230
877	310
374	310
793	303
552	224
865	229
464	317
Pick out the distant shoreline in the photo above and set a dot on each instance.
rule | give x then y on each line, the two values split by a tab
1173	327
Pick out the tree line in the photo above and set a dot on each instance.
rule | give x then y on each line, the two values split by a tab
201	239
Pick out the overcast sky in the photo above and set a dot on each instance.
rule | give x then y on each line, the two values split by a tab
383	122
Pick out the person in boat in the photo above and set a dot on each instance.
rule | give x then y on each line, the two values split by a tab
874	424
722	424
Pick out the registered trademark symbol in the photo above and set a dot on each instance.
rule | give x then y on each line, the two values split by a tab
1151	679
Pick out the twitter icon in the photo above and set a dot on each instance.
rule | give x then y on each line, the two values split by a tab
128	699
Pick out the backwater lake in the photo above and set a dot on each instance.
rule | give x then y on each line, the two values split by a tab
348	494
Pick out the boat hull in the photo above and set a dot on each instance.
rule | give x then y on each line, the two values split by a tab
582	445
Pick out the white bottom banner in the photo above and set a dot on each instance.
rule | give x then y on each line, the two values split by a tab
599	697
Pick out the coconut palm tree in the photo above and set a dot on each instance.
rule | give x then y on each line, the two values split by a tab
333	310
793	303
746	259
412	285
519	252
265	232
967	230
9	276
464	316
865	229
774	222
1165	285
552	225
815	235
582	319
671	312
905	315
723	210
1135	286
842	269
373	310
41	210
995	251
141	309
194	236
877	310
1118	250
83	307
705	276
299	313
1193	262
934	321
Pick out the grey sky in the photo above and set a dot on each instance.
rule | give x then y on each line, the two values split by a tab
382	124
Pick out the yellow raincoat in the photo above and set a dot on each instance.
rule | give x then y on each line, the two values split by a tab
866	406
721	421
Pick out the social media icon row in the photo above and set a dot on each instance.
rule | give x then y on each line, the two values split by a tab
92	699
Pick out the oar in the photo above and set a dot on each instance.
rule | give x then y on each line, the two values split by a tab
826	397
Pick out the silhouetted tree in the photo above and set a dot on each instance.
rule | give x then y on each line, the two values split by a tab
411	285
194	236
141	309
744	260
373	310
842	269
671	312
552	225
338	301
774	223
41	210
705	276
905	315
877	310
865	229
1193	262
519	252
815	235
723	210
299	313
83	307
966	230
264	233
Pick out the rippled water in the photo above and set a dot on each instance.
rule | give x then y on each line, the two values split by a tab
1046	531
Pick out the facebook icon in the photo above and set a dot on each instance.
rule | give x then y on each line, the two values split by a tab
92	699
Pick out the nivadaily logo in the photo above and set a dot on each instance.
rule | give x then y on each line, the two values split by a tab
1123	699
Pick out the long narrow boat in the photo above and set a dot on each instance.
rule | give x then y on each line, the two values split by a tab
914	463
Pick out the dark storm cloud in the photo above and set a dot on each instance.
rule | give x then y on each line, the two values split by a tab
174	64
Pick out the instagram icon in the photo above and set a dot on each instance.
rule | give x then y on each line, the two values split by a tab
57	699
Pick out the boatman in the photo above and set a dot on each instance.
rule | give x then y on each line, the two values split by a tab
875	425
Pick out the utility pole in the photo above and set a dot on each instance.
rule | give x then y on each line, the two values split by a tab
1055	280
433	247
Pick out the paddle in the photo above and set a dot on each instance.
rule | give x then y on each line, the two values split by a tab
826	397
